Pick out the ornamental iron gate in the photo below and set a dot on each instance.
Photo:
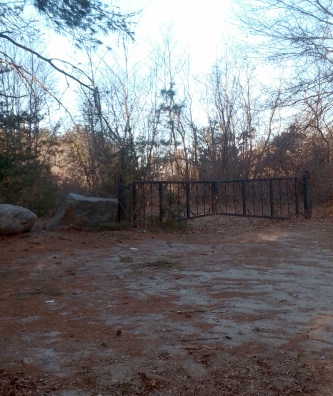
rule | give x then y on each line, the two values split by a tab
153	202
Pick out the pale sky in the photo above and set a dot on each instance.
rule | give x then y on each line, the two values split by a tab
198	25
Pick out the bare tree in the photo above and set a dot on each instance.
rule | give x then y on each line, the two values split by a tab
226	115
82	22
295	33
170	61
26	144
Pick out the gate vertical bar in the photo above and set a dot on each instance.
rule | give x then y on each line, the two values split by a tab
121	200
214	197
296	196
160	194
243	198
134	204
271	197
307	195
188	200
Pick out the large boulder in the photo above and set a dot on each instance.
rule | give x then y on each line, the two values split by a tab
84	212
15	219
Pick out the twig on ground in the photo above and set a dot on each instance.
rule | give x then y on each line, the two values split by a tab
65	238
157	377
200	339
196	347
201	310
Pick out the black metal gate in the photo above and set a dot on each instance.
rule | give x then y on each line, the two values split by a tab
152	202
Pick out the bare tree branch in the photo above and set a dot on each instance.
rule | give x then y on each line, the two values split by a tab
49	61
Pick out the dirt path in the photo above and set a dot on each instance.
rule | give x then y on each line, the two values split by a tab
229	306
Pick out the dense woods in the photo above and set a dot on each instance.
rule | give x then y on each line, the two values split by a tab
150	119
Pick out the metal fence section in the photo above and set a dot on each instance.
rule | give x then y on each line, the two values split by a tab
152	202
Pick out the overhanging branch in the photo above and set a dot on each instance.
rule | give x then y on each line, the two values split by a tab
49	61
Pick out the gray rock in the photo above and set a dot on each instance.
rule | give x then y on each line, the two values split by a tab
15	219
84	212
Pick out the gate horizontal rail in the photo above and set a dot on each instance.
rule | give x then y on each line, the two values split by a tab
165	201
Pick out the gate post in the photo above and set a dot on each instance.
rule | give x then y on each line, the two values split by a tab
214	197
296	196
243	198
121	200
307	195
188	200
271	197
160	194
134	203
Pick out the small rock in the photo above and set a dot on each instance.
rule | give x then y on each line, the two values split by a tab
25	362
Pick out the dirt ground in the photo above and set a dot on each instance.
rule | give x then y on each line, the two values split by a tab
228	306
